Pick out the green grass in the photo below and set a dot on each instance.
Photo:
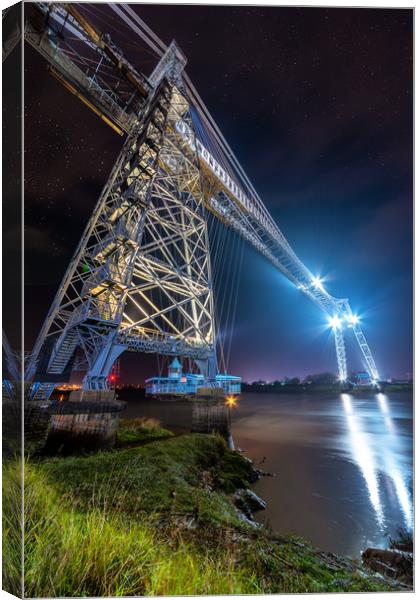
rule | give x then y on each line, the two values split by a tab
134	432
168	477
155	519
12	526
100	553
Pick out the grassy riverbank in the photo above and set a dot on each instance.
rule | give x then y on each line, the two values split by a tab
154	517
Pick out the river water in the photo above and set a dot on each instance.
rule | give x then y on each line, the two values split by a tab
342	463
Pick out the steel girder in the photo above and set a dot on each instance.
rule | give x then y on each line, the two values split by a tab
141	276
366	352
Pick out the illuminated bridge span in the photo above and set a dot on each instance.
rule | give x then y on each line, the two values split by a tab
140	278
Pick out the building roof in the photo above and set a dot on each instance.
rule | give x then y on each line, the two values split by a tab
175	364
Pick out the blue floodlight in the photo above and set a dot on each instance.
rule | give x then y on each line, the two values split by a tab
334	322
353	319
317	282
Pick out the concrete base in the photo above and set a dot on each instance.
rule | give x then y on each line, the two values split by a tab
88	421
81	432
211	392
92	396
210	415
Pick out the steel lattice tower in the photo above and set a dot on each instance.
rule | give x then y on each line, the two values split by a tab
140	278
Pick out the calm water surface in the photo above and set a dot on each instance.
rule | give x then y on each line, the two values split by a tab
342	463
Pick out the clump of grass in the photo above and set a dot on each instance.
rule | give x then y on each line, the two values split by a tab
140	422
235	472
140	431
12	526
100	553
164	476
289	564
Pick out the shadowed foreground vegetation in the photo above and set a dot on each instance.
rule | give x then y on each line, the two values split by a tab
154	518
140	431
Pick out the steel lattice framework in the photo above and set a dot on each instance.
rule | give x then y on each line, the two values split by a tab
140	278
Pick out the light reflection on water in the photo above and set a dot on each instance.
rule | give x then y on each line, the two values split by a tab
343	465
343	462
386	461
391	452
359	444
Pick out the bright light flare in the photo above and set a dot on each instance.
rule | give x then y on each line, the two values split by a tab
317	282
231	401
334	322
353	319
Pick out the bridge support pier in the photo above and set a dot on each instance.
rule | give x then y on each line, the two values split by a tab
211	415
88	421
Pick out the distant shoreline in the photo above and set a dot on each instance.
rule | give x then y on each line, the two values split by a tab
322	389
134	393
301	388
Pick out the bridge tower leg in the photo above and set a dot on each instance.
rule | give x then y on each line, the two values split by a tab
366	352
208	367
341	353
140	278
101	362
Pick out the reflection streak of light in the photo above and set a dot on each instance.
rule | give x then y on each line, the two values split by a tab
392	469
363	456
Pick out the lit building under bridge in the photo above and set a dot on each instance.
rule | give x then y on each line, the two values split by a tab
178	383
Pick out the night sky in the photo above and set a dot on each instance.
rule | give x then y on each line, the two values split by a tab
317	105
